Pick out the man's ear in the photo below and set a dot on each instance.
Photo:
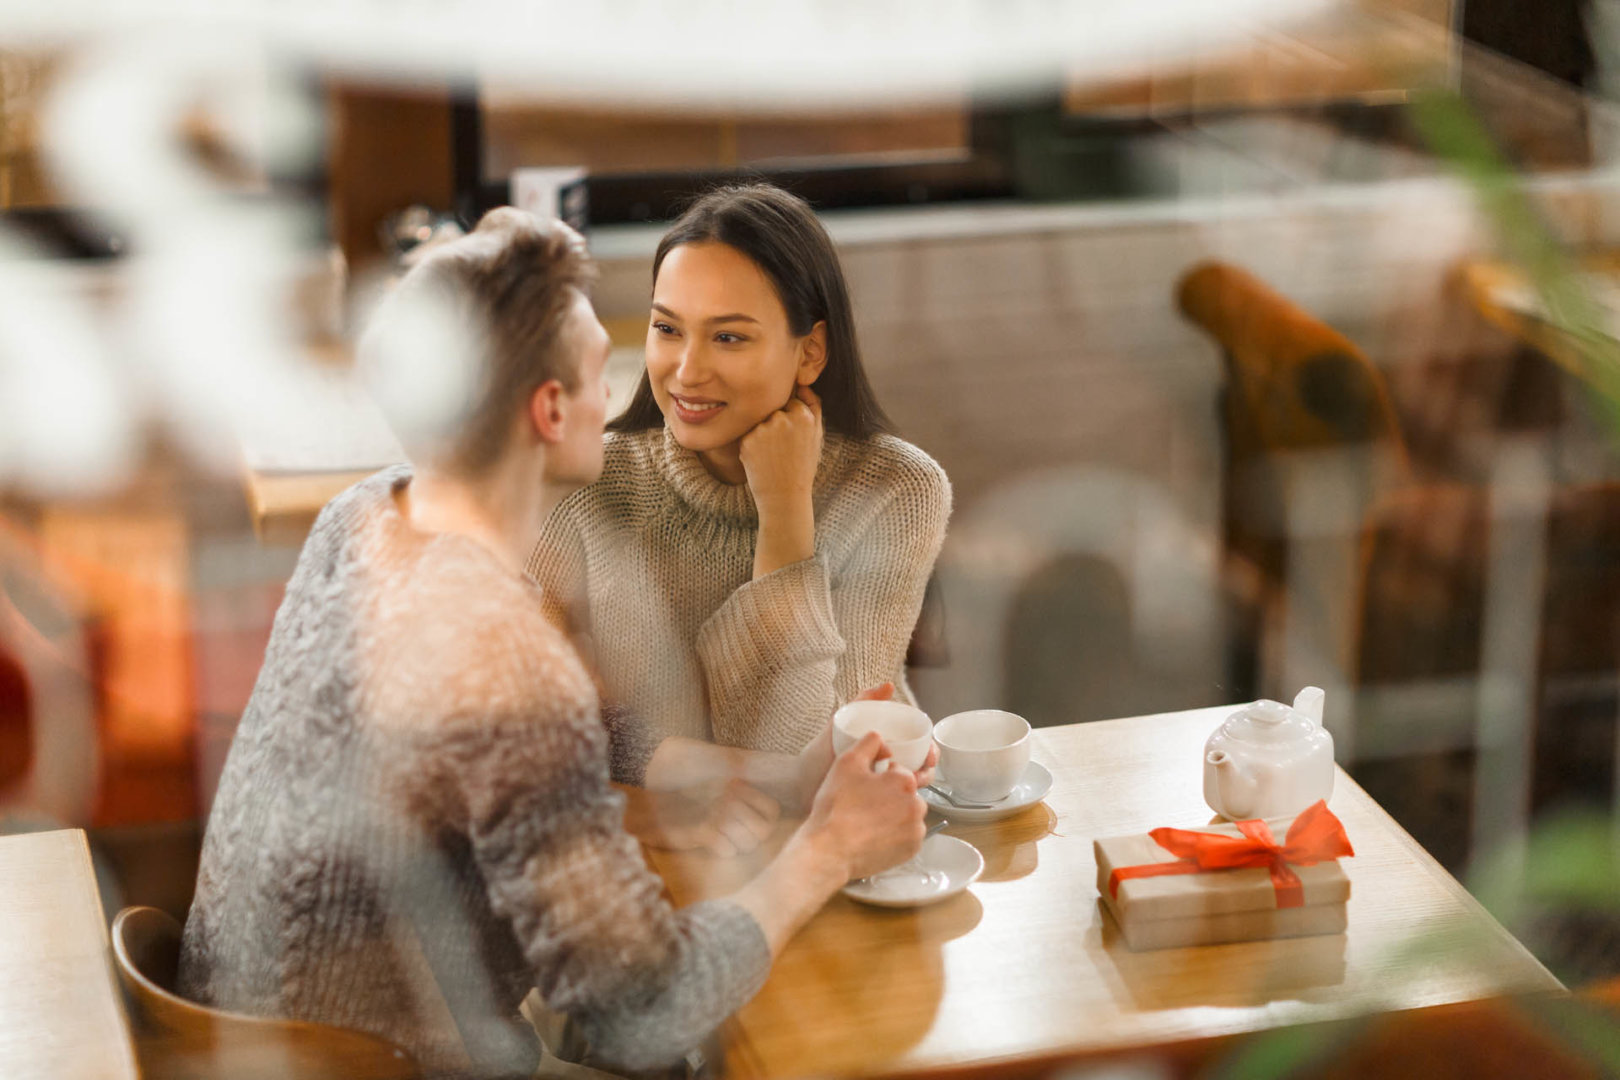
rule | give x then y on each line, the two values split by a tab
548	413
812	354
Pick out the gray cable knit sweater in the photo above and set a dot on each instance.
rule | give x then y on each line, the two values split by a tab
651	570
415	823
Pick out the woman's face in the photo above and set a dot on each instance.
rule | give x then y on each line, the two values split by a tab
720	355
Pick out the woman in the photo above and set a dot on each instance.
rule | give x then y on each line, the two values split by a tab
757	548
415	823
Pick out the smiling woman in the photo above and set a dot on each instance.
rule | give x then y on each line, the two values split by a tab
757	548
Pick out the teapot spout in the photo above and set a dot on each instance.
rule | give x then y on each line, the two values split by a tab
1310	702
1235	785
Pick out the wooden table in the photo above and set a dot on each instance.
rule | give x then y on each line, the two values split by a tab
1025	963
295	460
284	505
61	1014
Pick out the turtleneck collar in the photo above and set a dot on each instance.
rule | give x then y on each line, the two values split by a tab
692	482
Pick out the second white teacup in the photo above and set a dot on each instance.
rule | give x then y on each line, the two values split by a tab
982	753
906	730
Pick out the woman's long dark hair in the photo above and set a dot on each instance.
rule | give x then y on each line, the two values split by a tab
780	233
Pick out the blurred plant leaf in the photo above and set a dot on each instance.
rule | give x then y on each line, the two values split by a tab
1283	1051
1569	860
1586	1028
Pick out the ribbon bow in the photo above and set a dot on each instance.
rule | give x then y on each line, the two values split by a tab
1315	836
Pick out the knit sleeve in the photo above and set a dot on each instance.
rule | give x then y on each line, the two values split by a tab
646	982
557	565
784	650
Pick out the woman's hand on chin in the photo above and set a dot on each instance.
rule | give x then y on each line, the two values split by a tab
779	458
780	455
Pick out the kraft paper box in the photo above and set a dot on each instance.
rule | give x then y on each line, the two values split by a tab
1214	906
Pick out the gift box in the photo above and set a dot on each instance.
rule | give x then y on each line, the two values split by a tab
1228	882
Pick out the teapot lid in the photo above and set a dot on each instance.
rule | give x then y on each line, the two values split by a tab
1267	721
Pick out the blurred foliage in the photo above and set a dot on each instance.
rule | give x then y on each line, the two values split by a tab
1287	1051
1570	861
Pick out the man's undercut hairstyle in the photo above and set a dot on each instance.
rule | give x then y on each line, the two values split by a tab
507	288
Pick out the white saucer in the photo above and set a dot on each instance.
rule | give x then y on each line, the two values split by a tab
1030	789
950	865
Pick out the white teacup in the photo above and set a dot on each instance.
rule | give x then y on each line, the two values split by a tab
906	730
983	753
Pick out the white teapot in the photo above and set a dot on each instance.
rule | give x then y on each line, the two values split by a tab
1268	760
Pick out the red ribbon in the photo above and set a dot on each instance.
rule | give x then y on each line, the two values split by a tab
1315	836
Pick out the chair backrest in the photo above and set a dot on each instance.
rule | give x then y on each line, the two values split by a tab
1296	389
182	1039
1296	383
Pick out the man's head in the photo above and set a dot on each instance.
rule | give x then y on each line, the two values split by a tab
489	346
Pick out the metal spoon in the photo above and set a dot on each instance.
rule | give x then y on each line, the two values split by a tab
959	803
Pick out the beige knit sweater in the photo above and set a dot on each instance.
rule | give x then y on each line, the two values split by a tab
650	568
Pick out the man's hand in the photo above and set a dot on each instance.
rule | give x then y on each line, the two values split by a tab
734	822
864	821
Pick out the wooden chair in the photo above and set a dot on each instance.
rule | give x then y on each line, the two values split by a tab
1294	385
182	1040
